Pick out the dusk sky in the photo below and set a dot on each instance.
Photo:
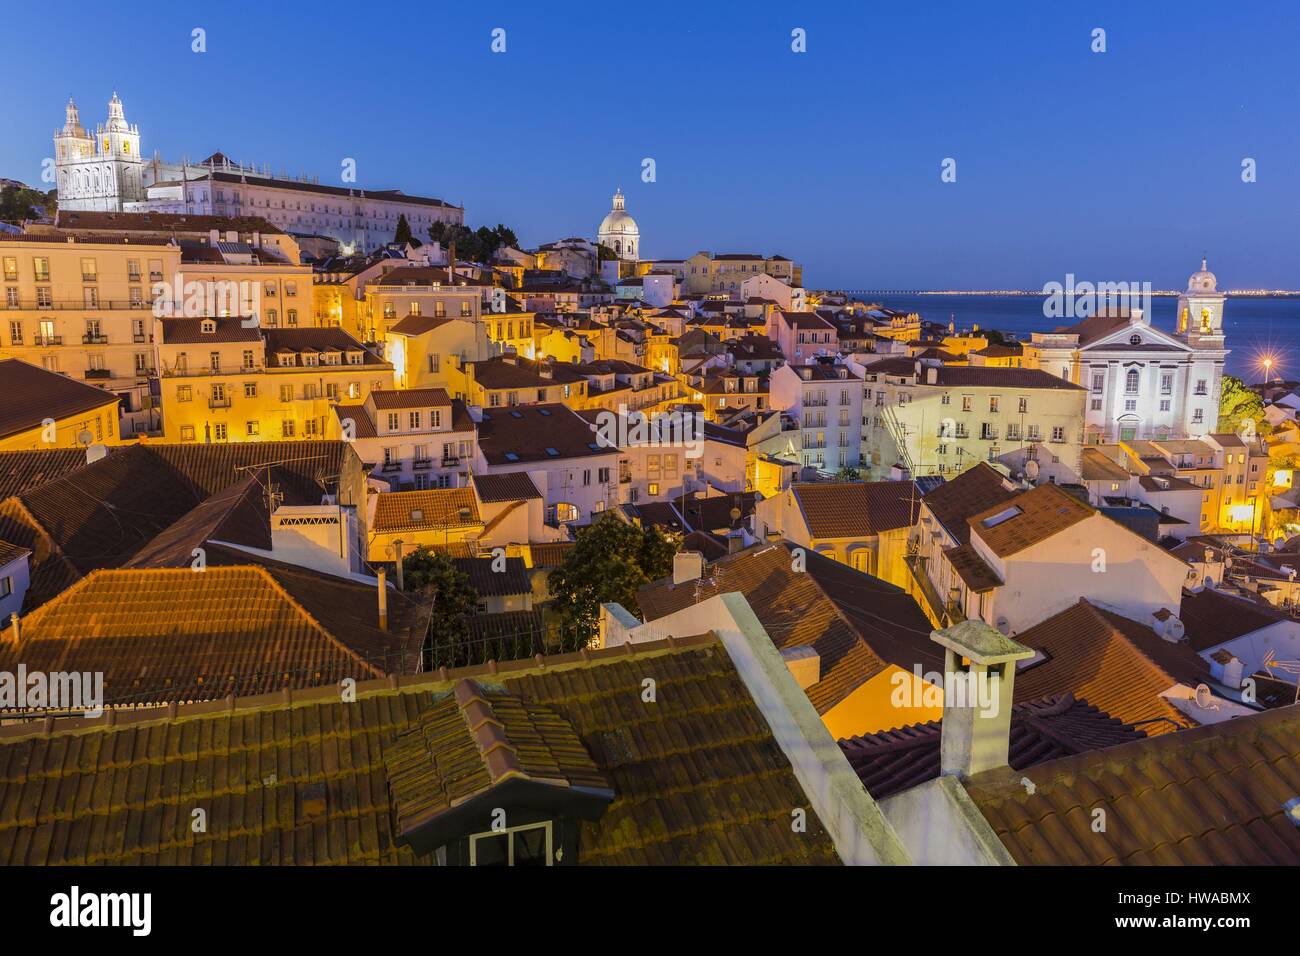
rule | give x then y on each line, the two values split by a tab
1123	165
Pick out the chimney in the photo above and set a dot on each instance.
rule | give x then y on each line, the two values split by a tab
397	548
979	676
735	542
383	600
214	236
688	566
18	633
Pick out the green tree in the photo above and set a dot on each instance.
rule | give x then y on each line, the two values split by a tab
403	233
478	245
18	203
848	473
1239	404
609	562
434	575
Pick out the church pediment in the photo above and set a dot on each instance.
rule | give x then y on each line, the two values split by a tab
1137	338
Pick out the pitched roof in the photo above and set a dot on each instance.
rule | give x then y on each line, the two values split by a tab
1029	518
488	581
101	515
23	470
1116	663
993	376
224	331
895	760
1211	617
511	486
31	395
1219	795
698	777
974	490
1098	466
166	222
854	509
420	324
159	635
306	341
528	433
389	398
433	508
858	624
518	372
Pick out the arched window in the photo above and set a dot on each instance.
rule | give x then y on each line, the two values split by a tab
1131	382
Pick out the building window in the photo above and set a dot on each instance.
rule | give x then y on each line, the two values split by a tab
286	393
1202	388
183	393
414	420
187	433
515	846
1058	433
1096	404
1164	405
252	428
219	431
1098	381
1131	380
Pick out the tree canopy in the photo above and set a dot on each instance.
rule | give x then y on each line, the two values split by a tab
403	233
609	562
18	203
1238	404
433	574
479	245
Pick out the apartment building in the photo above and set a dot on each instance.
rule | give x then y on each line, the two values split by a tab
224	381
80	305
824	400
416	438
939	419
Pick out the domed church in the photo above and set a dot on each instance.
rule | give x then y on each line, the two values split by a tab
619	231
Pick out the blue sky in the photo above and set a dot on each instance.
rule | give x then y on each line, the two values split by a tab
1123	165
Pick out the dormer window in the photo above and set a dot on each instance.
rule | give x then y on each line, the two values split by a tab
310	359
208	327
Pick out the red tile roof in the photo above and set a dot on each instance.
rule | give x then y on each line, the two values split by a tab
1038	514
856	509
31	394
895	760
1220	795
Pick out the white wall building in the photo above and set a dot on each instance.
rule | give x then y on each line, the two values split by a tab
1143	382
825	399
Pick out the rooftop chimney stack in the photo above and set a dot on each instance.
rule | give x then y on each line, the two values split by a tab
383	600
979	677
687	566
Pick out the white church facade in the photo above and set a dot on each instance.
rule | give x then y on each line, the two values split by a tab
104	171
1143	382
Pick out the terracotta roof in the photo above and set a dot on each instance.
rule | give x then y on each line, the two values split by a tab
857	623
508	635
895	760
992	376
10	553
1211	617
433	508
529	433
236	515
972	569
101	515
23	470
1095	327
520	372
697	778
388	398
180	634
489	582
551	554
166	222
1116	663
1098	466
224	330
856	509
31	395
318	340
1035	516
971	492
1220	795
806	320
511	486
420	324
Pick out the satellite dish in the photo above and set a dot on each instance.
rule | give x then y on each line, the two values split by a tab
1031	469
1204	696
1004	626
85	438
1175	629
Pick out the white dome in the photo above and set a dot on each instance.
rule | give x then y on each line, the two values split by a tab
1202	281
619	231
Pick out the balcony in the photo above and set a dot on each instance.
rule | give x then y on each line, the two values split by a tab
423	464
79	305
139	338
219	402
94	373
389	467
45	340
89	339
450	461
